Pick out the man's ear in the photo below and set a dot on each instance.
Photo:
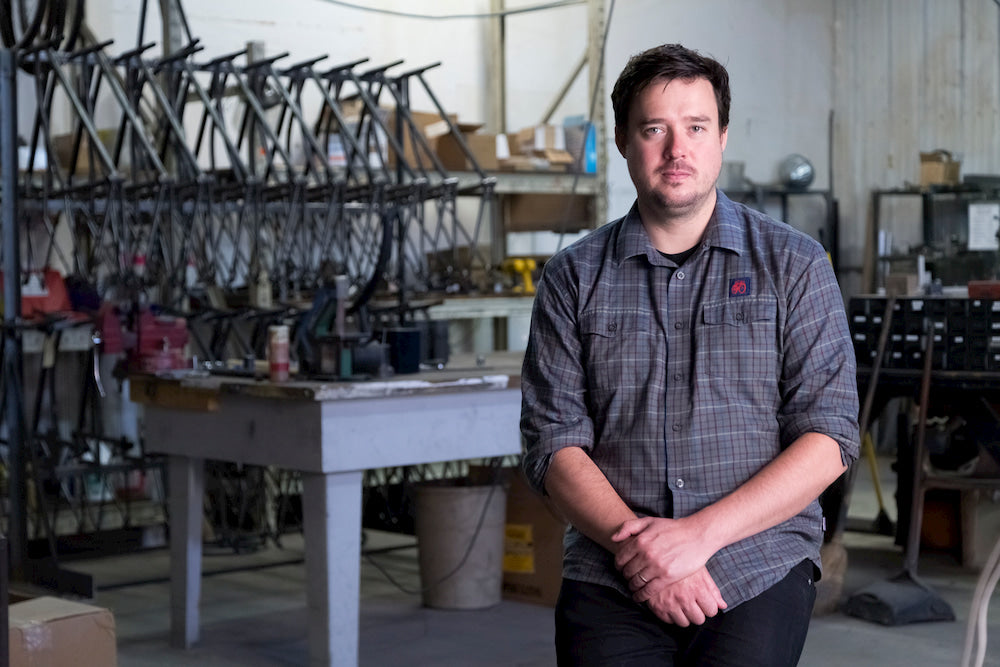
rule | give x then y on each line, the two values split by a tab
725	137
621	141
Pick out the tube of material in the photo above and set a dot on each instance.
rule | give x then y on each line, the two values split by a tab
277	352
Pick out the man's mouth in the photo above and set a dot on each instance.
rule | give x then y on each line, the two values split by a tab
675	173
677	170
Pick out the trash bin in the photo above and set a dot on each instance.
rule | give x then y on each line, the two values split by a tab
460	538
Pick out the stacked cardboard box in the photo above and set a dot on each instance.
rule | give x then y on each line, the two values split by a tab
430	124
538	148
533	547
440	140
483	146
529	212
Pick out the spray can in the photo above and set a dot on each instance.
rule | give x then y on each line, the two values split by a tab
277	352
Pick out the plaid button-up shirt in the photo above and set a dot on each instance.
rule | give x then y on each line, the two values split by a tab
682	383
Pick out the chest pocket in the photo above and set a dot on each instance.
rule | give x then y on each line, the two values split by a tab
738	339
619	348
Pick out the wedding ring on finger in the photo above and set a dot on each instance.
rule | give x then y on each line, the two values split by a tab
644	580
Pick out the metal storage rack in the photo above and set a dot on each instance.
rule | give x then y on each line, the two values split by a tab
592	185
931	231
148	194
828	232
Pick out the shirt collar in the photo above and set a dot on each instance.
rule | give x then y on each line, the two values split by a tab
725	230
633	239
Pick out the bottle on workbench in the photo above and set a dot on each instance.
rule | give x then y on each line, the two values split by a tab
277	352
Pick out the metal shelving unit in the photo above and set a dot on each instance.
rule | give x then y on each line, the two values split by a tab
829	231
536	182
938	228
593	185
159	214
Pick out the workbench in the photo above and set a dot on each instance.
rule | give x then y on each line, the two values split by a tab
330	432
951	392
942	352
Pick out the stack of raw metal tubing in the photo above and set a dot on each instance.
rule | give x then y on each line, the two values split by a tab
205	188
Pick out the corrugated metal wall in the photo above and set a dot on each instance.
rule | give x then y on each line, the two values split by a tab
910	76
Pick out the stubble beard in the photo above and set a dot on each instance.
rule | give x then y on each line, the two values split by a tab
677	205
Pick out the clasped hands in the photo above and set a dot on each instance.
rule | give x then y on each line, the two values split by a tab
664	563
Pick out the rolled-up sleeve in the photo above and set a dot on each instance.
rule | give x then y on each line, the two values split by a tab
819	375
553	402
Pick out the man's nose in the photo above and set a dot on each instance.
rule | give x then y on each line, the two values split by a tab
675	146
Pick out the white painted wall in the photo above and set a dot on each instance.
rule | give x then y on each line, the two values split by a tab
779	56
310	28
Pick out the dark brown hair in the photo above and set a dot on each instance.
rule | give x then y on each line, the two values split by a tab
666	63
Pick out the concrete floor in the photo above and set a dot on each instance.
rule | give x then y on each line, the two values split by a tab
257	617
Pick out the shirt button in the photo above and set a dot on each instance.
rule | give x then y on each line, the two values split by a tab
676	427
678	377
679	483
739	316
678	325
613	327
680	275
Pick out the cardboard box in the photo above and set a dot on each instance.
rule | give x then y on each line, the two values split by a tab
548	212
940	528
556	159
939	168
902	284
52	632
368	135
533	547
430	124
482	145
62	147
522	163
540	138
980	524
350	108
539	148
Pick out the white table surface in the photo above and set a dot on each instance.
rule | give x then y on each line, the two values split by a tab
330	433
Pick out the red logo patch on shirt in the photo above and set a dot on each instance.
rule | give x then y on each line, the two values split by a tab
739	287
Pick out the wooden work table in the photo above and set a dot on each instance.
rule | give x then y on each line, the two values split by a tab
330	432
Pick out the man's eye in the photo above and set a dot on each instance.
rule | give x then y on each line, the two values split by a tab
653	130
697	128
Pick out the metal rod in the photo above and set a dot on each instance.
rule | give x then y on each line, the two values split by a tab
564	90
912	553
5	592
17	527
86	121
169	117
866	410
138	124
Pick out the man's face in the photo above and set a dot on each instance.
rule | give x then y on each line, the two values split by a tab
673	146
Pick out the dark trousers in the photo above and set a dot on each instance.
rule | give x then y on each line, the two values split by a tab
597	625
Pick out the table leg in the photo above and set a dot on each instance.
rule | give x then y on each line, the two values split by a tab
332	527
187	489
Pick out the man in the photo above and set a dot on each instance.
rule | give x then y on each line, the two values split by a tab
689	390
